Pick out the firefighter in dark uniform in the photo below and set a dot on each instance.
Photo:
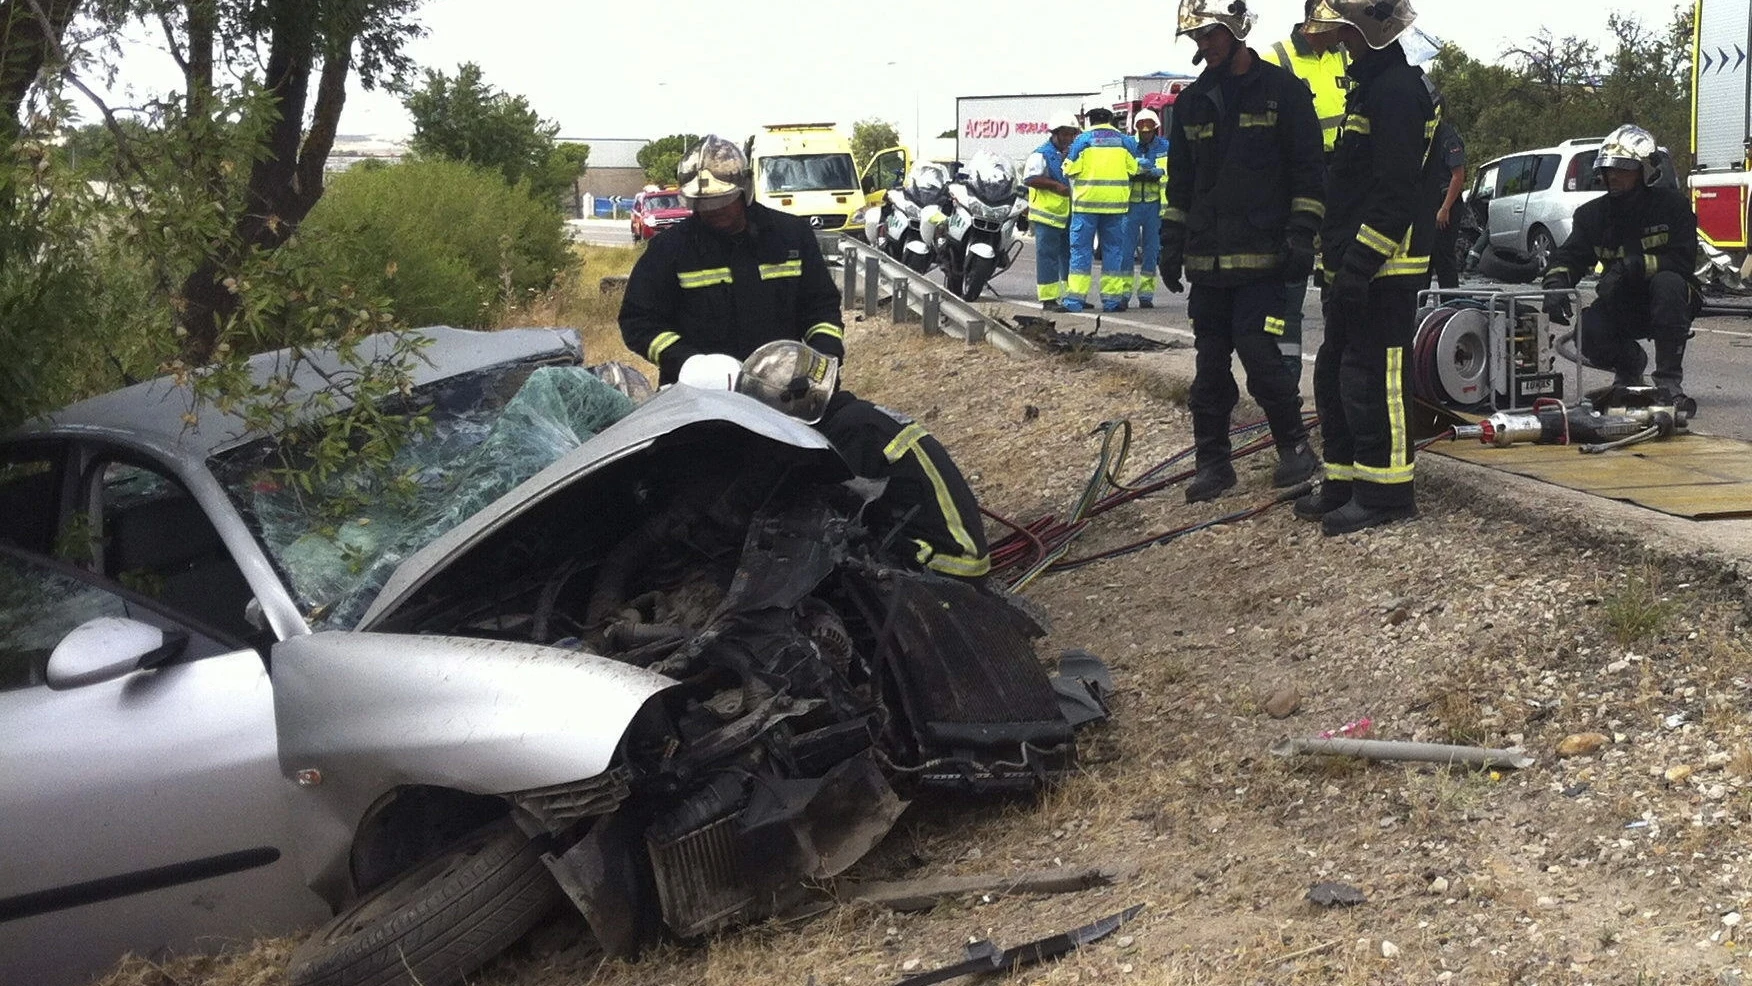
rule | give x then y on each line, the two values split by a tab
736	275
1646	237
1376	243
1244	171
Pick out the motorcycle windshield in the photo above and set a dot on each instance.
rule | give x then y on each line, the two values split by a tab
925	183
990	179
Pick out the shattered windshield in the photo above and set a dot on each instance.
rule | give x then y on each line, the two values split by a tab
490	430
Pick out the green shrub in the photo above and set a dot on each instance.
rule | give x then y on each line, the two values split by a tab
446	243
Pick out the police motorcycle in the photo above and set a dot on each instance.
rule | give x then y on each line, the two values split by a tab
981	234
909	226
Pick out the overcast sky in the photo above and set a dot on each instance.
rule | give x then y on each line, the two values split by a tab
645	70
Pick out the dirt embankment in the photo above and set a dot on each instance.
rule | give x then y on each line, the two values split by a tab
1626	865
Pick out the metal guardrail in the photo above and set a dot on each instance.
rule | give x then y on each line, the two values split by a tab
938	310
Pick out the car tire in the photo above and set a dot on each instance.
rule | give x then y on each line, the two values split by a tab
1498	265
1540	247
438	921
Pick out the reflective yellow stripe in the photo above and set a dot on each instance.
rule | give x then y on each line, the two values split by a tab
1077	285
924	553
663	341
1399	441
1315	206
1332	122
1274	326
1232	261
967	568
790	268
1657	240
1549	271
1651	263
1375	240
1375	474
1400	266
1340	473
1174	214
1103	182
1201	131
703	278
1116	285
903	442
825	329
1049	292
1267	119
1355	123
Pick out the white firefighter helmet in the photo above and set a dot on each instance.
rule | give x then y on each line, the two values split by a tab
1380	22
714	173
1149	117
1232	14
788	376
1063	120
1630	146
710	371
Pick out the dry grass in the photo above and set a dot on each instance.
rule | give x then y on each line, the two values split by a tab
578	301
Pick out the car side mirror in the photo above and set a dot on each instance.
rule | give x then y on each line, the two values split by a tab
108	647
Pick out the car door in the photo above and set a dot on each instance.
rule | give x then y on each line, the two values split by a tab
886	170
145	811
1508	207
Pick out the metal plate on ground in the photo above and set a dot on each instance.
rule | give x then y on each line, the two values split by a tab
1703	477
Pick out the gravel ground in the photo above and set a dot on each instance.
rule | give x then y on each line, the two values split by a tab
1478	623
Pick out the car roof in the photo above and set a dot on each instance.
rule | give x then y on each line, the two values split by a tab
153	412
1570	146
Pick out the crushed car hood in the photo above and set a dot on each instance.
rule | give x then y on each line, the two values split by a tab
671	412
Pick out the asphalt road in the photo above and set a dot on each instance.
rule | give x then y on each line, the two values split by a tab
1718	362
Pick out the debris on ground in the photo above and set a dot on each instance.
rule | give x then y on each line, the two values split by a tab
1328	894
984	958
1044	333
924	894
1443	753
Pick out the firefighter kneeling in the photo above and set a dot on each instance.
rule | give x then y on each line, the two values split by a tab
1645	236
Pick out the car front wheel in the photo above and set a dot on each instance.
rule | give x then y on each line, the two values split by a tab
437	922
1540	246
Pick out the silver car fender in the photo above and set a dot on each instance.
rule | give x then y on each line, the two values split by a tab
361	714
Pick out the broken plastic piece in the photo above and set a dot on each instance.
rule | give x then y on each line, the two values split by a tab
1474	756
1356	728
1083	684
984	957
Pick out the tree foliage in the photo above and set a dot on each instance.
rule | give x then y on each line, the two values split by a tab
870	136
443	242
465	119
660	157
1550	89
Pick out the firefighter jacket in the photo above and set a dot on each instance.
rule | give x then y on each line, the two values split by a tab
696	291
1147	184
1655	224
1379	220
1244	178
1047	207
1100	164
1325	76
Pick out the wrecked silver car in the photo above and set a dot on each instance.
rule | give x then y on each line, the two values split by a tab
638	659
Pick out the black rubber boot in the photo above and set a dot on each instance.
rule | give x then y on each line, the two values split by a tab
1353	517
1296	464
1332	494
1210	482
1669	375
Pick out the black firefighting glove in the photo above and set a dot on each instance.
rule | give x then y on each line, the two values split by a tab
1173	255
1298	256
1635	267
1611	280
1558	307
1349	291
